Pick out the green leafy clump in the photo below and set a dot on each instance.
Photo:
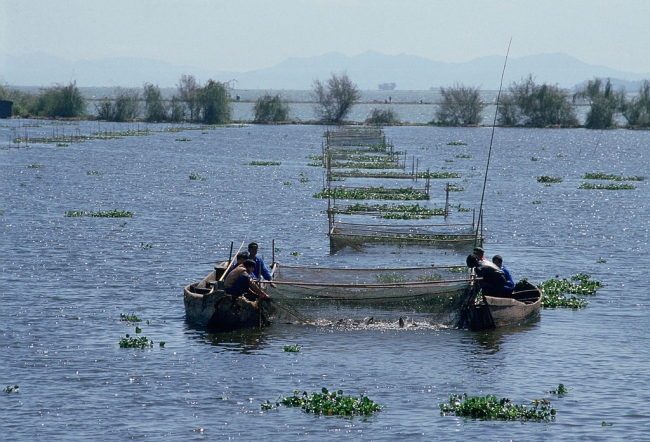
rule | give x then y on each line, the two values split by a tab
327	403
264	163
101	214
389	278
455	188
145	246
131	342
554	291
9	389
292	348
304	180
374	193
560	390
94	172
456	143
462	155
590	186
194	176
548	179
130	317
35	166
611	177
492	408
183	139
438	175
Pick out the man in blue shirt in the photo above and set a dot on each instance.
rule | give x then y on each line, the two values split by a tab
260	268
510	284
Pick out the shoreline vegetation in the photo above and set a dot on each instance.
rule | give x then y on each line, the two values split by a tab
522	104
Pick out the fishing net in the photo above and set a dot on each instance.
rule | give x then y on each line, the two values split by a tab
459	237
432	295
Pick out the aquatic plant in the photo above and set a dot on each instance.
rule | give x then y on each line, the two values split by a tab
130	317
534	159
183	139
492	408
537	202
94	172
295	348
374	193
194	176
554	290
430	278
560	390
327	403
456	143
591	186
145	246
455	188
287	183
62	145
304	180
35	166
611	177
131	342
9	389
438	175
462	155
548	179
389	278
264	163
101	214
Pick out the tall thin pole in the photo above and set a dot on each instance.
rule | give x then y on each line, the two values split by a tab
487	166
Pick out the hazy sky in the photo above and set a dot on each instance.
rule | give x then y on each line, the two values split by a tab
242	35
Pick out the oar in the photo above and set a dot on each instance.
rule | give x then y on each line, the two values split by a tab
231	262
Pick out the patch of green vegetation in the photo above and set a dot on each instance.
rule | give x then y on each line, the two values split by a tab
534	159
287	183
35	166
94	172
457	143
374	193
101	214
560	390
462	155
292	348
327	403
194	176
590	186
304	180
537	202
11	389
144	246
438	175
430	278
294	253
131	342
455	188
449	160
554	291
130	317
548	179
492	408
601	261
611	177
183	139
365	165
62	145
264	163
389	278
316	164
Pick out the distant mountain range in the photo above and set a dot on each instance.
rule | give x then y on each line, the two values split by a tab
368	70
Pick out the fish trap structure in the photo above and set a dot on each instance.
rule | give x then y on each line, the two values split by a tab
431	295
458	237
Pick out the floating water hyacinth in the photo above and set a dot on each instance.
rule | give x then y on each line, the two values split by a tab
327	403
492	408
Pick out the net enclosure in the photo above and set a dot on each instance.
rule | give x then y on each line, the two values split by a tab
433	295
459	237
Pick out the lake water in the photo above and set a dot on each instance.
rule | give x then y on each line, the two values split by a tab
66	280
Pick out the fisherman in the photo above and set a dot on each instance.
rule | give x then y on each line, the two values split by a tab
241	257
493	279
260	267
240	282
510	284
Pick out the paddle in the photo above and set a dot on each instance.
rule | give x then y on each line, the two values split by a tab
232	261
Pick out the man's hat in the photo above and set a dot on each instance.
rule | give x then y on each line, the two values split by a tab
479	250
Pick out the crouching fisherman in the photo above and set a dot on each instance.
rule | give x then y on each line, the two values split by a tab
240	282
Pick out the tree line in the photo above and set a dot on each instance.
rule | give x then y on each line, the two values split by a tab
524	104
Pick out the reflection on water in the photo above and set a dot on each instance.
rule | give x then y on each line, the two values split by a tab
66	281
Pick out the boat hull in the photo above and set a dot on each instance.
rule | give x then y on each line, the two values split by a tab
523	307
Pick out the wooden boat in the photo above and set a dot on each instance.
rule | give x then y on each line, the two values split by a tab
425	295
493	312
207	305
